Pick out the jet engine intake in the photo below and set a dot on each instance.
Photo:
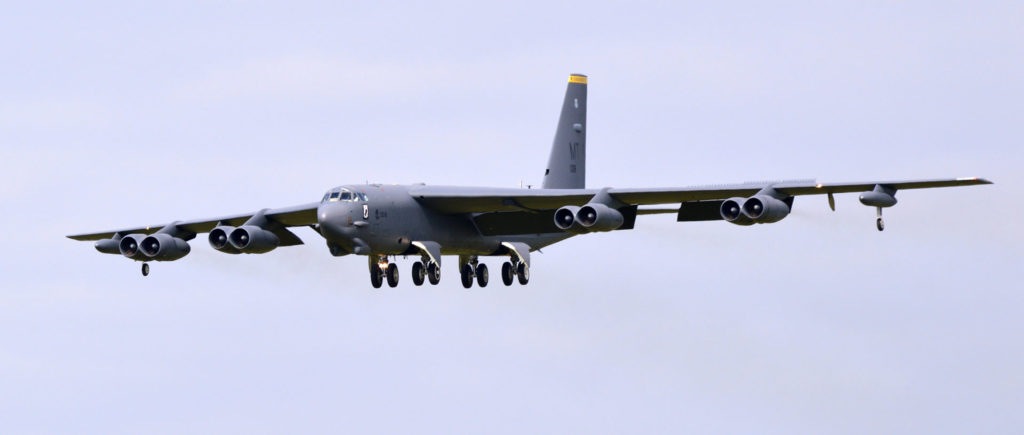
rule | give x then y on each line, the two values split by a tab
219	240
732	212
164	247
764	209
129	246
565	219
599	217
251	239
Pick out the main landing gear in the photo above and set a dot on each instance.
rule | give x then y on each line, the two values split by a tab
431	271
472	269
515	269
381	270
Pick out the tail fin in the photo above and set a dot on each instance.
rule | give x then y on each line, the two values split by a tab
567	166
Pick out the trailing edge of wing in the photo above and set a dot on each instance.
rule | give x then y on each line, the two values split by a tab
299	215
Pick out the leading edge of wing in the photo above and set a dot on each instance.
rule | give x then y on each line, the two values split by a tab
298	215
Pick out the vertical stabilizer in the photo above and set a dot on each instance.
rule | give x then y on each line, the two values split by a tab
567	166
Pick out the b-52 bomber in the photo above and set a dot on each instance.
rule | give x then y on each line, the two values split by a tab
384	222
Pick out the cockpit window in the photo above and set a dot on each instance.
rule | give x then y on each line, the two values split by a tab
342	194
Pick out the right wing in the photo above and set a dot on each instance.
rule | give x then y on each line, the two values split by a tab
299	215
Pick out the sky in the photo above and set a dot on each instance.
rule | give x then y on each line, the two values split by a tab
116	114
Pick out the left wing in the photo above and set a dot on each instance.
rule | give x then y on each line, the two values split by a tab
482	200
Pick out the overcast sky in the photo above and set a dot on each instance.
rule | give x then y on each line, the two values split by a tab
121	114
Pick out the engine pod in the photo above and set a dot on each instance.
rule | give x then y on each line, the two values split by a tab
130	247
565	219
765	209
599	217
218	239
732	212
251	239
164	247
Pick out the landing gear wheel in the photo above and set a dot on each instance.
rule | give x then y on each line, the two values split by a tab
145	269
376	276
523	272
507	274
433	273
880	224
418	273
467	275
481	275
392	275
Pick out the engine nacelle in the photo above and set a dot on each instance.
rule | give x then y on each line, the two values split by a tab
764	209
219	240
131	247
732	211
164	247
599	217
565	219
251	239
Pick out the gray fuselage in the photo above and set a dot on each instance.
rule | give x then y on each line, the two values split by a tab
386	219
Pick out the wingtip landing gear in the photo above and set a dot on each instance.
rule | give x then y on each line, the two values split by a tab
145	269
879	223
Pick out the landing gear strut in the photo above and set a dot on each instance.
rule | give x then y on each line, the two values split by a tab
145	269
879	223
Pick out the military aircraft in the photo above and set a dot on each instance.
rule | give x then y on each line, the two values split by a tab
384	222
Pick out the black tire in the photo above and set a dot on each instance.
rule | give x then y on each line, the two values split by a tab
880	224
466	271
433	273
481	275
507	274
376	276
418	273
392	275
145	269
523	272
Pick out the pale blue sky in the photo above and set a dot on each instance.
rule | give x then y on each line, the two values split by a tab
117	114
